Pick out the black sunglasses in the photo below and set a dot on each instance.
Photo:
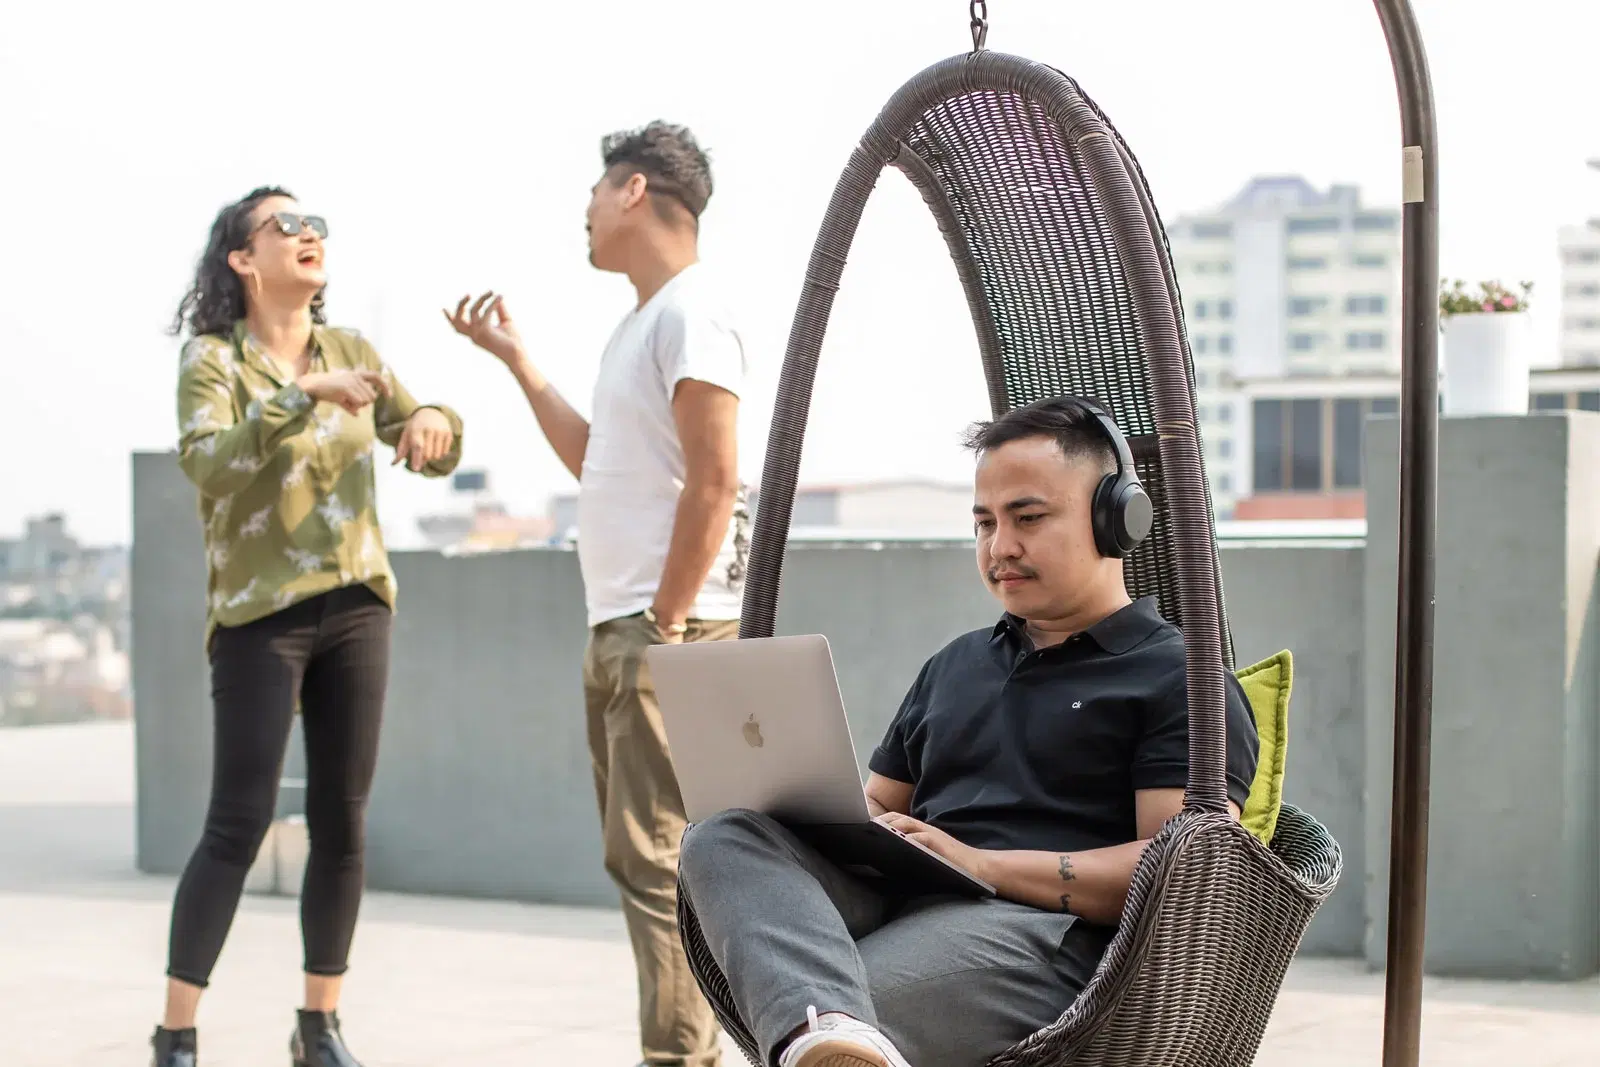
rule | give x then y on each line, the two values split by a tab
292	225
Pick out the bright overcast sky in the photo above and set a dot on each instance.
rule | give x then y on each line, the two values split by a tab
452	150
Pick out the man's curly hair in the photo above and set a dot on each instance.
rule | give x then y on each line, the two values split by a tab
675	167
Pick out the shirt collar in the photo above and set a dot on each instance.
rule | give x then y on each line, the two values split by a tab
244	341
1121	631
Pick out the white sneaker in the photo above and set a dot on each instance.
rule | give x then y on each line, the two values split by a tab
836	1040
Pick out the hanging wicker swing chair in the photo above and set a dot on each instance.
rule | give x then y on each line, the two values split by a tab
1069	280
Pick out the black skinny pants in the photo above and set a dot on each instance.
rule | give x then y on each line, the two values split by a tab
333	651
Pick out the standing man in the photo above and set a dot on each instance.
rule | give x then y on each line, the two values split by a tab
662	530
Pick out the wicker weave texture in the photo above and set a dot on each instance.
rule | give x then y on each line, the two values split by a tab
1191	977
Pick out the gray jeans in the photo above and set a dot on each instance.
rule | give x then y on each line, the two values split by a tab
951	981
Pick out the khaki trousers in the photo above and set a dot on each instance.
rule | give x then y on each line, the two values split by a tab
642	820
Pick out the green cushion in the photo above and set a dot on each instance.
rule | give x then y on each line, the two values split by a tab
1266	685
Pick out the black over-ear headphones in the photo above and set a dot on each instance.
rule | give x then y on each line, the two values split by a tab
1121	512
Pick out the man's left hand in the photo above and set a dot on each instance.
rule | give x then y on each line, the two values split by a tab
666	630
427	437
969	859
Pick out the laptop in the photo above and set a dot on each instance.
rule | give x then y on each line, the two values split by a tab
760	723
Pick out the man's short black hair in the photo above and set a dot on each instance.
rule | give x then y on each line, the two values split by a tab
673	163
1067	420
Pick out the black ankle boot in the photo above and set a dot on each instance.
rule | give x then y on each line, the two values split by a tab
318	1043
174	1048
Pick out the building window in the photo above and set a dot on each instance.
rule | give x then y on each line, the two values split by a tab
1225	413
1363	341
1323	224
1584	289
1210	230
1366	261
1269	460
1364	305
1225	445
1199	344
1225	344
1305	445
1586	400
1224	483
1346	443
1312	445
1374	223
1202	379
1225	309
1302	342
1301	306
1583	255
1202	309
1307	262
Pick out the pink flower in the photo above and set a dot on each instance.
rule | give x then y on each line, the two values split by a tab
1508	301
1488	305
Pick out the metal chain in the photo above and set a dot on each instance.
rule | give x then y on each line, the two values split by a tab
979	10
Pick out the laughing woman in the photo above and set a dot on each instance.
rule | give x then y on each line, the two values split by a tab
278	415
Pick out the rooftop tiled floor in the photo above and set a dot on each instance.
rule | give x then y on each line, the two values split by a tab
443	981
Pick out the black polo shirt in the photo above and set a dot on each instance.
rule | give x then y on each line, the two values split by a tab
1012	747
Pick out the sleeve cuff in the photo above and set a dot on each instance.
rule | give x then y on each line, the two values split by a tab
1167	774
1176	776
291	400
284	413
889	765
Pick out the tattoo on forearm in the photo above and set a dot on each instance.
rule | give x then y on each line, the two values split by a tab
1067	875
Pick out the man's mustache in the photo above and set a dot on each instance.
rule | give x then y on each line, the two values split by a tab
1011	570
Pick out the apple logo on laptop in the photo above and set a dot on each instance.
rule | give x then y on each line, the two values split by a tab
752	733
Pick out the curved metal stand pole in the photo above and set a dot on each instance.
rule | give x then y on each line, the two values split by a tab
1419	430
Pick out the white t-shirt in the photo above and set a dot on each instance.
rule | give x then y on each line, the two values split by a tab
633	468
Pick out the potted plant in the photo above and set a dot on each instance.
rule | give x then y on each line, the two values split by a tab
1487	348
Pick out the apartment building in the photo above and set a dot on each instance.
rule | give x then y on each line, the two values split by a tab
1580	292
1283	281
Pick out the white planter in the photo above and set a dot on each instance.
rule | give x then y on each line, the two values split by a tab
1487	356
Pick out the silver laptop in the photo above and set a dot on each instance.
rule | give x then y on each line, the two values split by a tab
760	724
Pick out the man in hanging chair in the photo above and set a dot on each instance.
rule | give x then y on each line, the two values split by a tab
1041	754
662	530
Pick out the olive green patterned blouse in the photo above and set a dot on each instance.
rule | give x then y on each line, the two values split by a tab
286	485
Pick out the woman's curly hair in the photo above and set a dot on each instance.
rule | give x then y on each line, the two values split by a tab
215	301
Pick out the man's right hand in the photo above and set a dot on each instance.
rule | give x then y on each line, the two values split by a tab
488	325
350	389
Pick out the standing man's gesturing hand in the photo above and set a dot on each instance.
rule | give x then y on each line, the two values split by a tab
488	325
